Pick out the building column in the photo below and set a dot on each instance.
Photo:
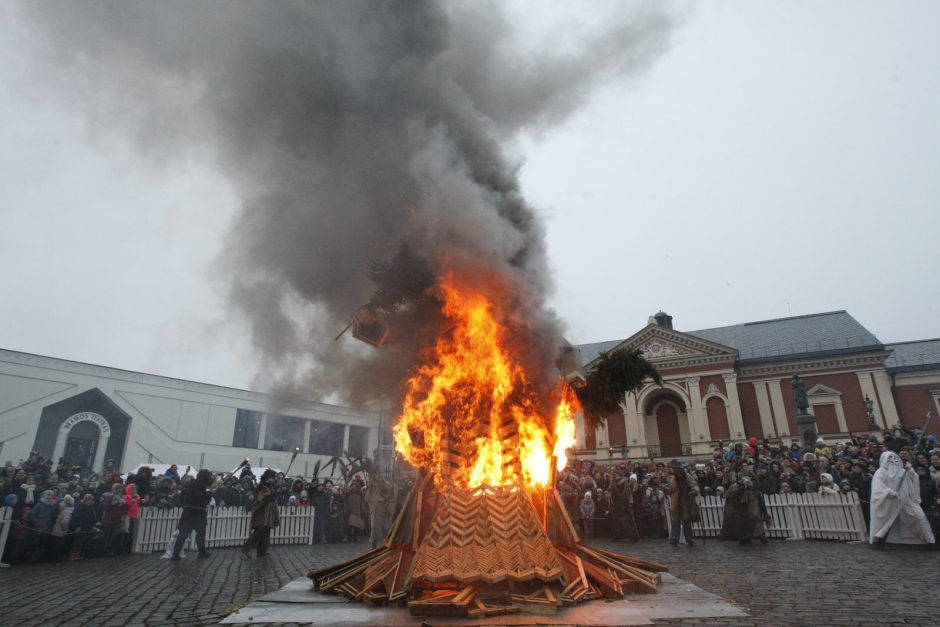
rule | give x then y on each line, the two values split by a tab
886	398
305	448
103	439
635	432
59	449
698	426
779	407
868	389
262	428
345	439
763	408
734	409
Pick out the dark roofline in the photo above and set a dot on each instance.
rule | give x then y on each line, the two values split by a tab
932	339
871	348
917	368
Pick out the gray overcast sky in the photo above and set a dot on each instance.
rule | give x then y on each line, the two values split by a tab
780	157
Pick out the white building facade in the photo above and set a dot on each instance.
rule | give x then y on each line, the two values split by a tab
85	414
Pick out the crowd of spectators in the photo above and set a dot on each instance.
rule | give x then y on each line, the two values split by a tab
60	513
626	500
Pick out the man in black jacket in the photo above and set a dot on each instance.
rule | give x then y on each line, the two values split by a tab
195	502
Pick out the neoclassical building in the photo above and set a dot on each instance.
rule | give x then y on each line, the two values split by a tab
734	382
85	414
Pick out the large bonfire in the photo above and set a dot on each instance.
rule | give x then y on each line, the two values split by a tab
483	530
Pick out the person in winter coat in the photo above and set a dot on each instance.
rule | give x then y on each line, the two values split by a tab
356	514
822	450
113	508
745	511
587	514
195	501
133	513
264	516
827	486
84	521
173	473
60	530
683	508
44	517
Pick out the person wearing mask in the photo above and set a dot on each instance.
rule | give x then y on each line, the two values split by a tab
896	515
264	515
744	512
195	501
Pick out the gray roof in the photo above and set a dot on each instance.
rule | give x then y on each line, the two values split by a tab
917	355
833	331
798	335
590	352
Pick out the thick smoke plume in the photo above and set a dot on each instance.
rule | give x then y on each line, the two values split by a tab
367	143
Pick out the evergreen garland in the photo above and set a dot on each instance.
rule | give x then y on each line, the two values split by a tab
615	374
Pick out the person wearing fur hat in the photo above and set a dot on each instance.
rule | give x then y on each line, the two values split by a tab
195	501
827	486
264	515
745	512
683	508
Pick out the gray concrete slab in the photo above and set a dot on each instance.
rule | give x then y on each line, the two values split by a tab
675	599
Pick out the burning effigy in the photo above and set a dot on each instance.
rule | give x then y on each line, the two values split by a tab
483	530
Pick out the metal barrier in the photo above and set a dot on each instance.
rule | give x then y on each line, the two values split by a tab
227	526
811	516
6	522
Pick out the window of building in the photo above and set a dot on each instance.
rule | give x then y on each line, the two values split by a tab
247	428
359	442
326	438
283	433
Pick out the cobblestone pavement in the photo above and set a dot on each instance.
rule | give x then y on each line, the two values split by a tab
783	583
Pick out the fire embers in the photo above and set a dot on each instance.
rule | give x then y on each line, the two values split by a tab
470	416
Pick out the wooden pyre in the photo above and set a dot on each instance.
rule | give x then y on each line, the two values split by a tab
485	551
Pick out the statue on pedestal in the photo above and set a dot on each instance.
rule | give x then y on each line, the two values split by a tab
799	391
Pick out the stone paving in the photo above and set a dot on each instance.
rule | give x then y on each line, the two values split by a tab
783	583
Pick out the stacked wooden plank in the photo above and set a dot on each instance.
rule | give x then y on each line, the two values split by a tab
486	534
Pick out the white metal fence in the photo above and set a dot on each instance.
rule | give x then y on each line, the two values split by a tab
6	522
795	516
227	526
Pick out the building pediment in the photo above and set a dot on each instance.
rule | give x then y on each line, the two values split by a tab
668	348
823	390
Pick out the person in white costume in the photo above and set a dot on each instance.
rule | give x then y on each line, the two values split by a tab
896	515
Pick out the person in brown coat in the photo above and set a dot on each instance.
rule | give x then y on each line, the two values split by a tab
683	508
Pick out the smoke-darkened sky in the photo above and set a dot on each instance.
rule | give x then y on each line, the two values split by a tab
199	192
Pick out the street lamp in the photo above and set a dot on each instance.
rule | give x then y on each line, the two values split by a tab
870	408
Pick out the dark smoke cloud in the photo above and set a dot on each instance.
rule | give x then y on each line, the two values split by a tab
349	129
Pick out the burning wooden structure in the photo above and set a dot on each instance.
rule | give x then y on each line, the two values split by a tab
485	551
483	530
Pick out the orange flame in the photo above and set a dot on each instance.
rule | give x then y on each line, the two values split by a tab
470	415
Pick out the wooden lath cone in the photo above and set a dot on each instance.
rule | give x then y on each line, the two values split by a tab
482	552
